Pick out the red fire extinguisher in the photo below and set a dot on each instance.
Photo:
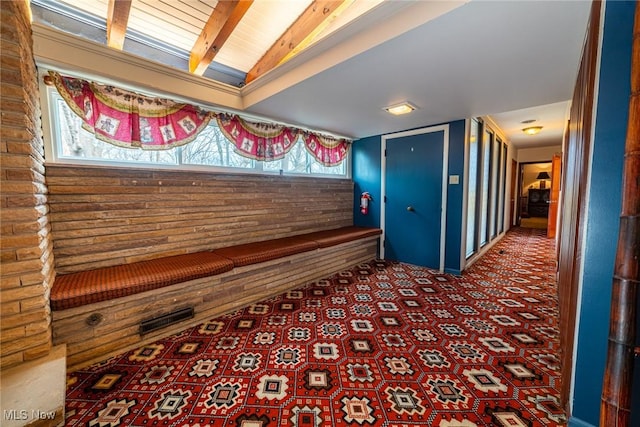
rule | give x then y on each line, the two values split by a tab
364	202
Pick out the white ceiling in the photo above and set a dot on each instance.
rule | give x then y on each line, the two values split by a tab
551	117
482	58
512	60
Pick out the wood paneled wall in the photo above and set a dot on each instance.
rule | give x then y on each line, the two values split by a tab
26	258
110	216
577	152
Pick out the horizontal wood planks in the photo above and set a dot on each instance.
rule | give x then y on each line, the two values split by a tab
109	216
26	272
211	297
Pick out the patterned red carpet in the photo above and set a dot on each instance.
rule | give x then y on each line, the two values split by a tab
383	344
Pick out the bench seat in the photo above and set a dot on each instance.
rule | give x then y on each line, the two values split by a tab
92	286
267	250
327	238
98	314
87	287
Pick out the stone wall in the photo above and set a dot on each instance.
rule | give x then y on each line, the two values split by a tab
109	216
26	244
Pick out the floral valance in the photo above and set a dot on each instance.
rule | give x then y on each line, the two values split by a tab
326	150
268	141
128	119
260	141
132	120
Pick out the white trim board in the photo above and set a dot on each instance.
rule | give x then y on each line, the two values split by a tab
465	196
445	182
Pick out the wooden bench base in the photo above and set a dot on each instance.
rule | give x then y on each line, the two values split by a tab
118	330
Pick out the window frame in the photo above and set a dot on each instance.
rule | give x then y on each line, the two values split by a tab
485	187
491	190
472	234
496	161
52	144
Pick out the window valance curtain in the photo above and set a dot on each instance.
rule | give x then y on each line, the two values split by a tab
128	119
326	150
260	141
132	120
268	141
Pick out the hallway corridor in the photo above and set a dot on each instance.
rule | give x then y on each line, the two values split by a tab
383	344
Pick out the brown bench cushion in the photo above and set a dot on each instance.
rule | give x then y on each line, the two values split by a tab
253	253
336	236
86	287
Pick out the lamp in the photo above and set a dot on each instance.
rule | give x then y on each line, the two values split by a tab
542	177
532	130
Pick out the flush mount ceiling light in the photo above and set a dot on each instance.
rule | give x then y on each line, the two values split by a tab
399	109
532	130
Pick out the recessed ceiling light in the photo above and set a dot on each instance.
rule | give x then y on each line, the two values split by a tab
533	130
399	109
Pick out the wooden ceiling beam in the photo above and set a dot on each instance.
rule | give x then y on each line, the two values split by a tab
117	19
315	17
223	20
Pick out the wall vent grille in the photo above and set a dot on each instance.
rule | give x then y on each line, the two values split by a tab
165	320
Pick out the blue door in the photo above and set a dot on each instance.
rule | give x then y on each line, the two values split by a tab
413	190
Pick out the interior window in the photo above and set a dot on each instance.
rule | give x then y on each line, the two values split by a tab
472	198
484	201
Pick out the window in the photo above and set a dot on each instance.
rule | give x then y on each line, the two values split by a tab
299	161
503	183
73	142
484	201
210	149
486	186
474	157
495	172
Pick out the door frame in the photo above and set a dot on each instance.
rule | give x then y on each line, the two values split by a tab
445	173
554	196
515	196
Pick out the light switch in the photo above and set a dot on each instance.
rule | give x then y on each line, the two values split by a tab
454	179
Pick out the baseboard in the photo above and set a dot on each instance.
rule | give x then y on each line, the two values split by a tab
577	422
453	271
469	262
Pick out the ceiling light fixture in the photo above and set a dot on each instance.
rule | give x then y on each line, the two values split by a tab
533	130
399	109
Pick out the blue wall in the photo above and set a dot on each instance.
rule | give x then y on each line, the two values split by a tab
367	173
455	198
603	210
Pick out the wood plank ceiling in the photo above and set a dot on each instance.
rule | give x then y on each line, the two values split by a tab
251	36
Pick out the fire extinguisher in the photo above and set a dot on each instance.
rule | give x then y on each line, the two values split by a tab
364	202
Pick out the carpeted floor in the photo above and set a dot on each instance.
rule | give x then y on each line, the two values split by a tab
384	344
534	222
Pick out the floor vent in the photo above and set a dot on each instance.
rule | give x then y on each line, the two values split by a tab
160	322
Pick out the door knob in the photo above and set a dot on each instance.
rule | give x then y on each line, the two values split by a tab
410	209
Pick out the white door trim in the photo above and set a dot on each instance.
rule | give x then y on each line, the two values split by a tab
445	174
